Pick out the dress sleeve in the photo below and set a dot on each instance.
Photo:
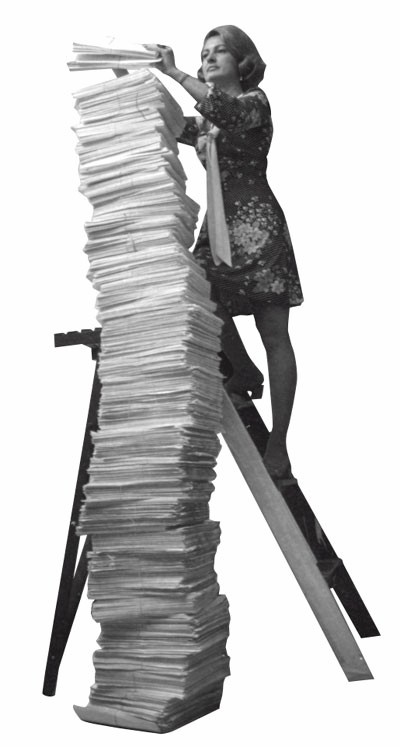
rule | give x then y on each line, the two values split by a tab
235	114
190	132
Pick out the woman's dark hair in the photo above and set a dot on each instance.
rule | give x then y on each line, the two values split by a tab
241	47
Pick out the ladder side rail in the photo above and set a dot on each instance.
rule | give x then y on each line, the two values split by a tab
294	546
62	622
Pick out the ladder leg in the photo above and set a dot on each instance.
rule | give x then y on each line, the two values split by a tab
79	581
68	593
348	595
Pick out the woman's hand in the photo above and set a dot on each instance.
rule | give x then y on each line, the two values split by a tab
167	64
195	87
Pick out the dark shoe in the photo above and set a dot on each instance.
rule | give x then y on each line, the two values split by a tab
282	478
240	400
236	386
284	482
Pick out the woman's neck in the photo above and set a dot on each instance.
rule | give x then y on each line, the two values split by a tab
232	89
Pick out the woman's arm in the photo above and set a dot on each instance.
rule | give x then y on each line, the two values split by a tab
190	132
235	114
193	86
227	112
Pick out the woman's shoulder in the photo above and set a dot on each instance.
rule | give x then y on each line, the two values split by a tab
256	93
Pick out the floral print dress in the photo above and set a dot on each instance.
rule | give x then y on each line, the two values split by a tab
263	268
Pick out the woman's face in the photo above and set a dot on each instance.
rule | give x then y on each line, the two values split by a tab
218	65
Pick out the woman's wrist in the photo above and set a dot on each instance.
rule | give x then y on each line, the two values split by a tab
177	75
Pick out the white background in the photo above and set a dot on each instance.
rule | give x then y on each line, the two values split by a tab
332	80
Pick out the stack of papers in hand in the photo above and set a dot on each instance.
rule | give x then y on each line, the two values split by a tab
162	658
111	52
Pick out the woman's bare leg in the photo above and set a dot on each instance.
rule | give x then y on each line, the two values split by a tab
272	324
246	376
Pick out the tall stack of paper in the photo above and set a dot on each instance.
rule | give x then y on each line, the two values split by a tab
164	625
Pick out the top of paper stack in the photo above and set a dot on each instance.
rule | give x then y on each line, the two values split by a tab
112	52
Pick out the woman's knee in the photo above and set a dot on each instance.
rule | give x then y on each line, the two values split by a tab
276	342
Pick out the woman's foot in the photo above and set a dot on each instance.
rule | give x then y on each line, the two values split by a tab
243	384
276	460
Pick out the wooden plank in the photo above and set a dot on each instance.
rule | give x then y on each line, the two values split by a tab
294	546
340	581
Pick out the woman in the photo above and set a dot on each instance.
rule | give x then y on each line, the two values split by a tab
261	277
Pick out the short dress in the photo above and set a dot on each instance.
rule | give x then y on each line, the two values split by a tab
264	269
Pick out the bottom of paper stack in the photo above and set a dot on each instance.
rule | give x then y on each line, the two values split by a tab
200	706
160	673
125	720
115	717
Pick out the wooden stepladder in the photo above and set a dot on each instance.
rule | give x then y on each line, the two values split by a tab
308	551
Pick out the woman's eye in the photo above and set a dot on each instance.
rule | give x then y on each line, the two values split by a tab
217	51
